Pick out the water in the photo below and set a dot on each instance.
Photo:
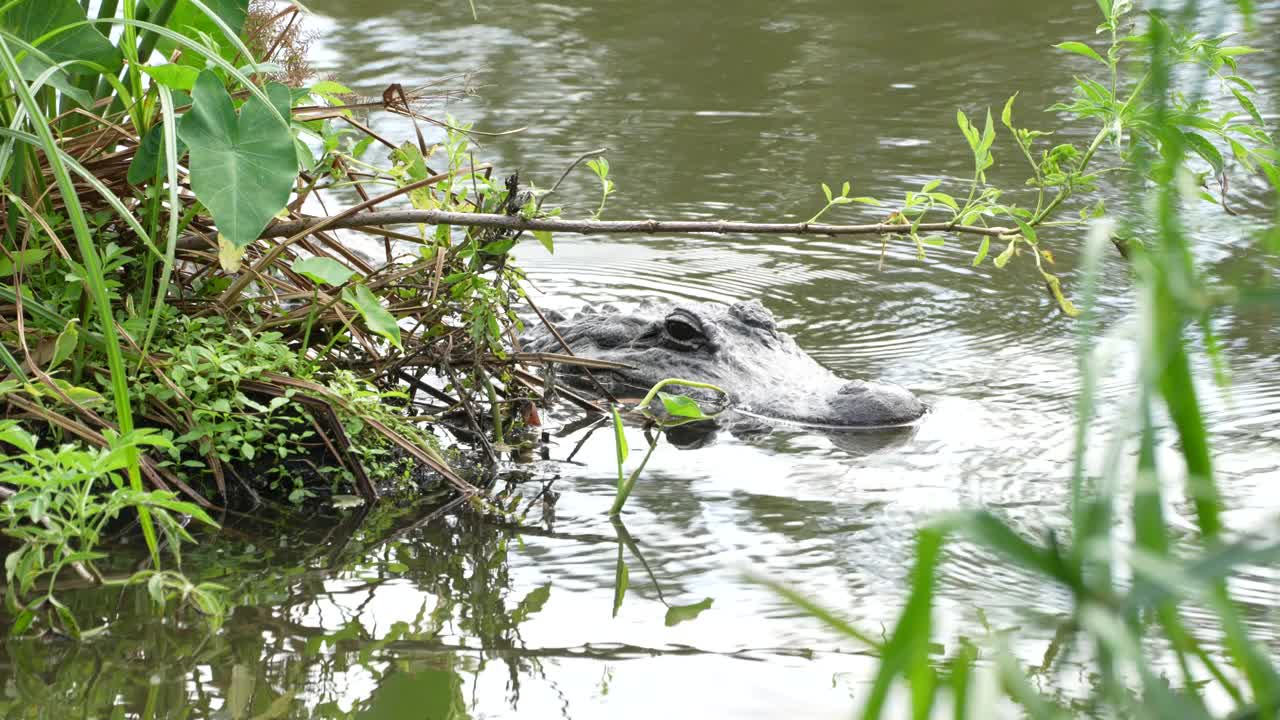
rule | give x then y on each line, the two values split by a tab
708	113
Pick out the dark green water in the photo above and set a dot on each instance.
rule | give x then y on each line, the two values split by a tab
709	112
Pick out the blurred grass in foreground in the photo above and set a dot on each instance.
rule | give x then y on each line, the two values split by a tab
1129	586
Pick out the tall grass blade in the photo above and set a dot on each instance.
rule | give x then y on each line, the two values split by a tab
95	279
175	210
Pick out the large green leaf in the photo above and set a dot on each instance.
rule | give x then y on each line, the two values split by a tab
375	316
242	168
323	270
192	22
32	19
148	161
36	64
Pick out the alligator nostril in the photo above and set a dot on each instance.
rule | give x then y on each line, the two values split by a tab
853	387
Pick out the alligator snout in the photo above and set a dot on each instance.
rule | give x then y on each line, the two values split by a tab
862	403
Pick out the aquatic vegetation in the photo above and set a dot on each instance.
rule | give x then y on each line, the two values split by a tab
59	504
1131	577
248	354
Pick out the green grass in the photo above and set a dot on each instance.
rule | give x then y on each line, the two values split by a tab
1129	588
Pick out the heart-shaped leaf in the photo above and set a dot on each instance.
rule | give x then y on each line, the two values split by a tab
376	317
323	270
189	20
242	168
31	19
148	161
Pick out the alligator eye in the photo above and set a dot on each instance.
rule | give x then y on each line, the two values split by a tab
682	330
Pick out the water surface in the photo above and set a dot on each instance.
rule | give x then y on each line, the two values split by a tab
713	113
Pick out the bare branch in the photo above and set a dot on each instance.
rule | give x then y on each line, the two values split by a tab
624	227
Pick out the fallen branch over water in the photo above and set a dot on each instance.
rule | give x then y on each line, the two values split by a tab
634	227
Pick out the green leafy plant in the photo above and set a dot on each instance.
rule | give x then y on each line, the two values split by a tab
600	166
676	410
59	514
1130	574
1116	103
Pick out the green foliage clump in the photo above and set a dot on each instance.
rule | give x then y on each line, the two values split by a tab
1133	578
1115	101
63	502
207	362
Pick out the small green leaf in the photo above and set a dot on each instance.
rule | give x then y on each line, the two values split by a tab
1003	258
844	189
155	588
1244	84
544	237
376	317
826	190
1028	232
65	344
677	614
1006	115
621	579
68	619
323	270
988	137
681	406
13	434
1249	107
945	199
1080	48
1232	50
1055	287
867	201
620	441
1206	150
173	76
24	260
37	509
982	251
931	186
966	127
23	622
329	87
532	603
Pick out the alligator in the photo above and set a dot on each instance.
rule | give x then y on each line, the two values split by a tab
738	348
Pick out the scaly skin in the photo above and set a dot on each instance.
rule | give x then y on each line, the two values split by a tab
738	348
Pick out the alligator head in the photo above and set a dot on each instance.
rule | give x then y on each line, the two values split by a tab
738	348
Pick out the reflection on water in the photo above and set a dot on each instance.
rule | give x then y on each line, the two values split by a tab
708	114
